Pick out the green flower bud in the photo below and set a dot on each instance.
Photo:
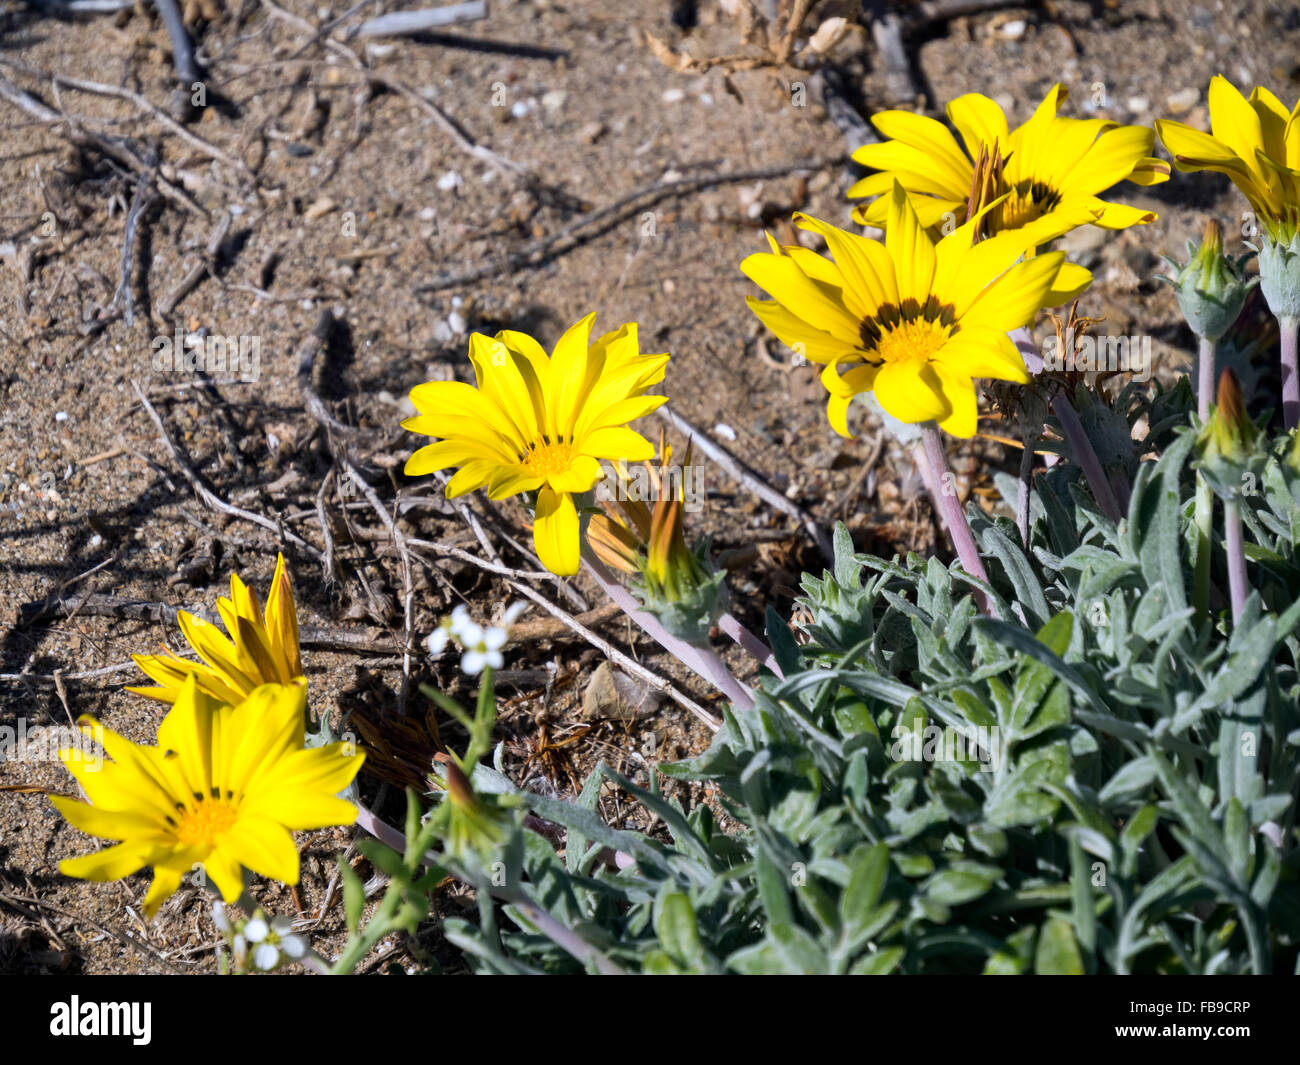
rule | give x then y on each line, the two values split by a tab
1211	287
1228	443
688	595
1279	274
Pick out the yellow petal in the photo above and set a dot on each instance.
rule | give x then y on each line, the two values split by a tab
979	121
166	879
616	443
855	381
911	391
960	392
1013	300
555	532
264	846
112	863
909	248
930	137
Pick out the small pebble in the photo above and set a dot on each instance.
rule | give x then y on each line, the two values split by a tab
450	180
1014	30
1139	105
725	431
553	101
1181	102
62	416
456	321
673	96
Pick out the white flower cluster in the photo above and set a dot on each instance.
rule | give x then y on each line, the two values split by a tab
482	646
270	941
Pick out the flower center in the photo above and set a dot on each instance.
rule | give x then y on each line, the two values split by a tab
202	823
1028	202
547	457
908	333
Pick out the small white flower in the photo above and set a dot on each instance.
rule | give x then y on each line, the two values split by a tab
438	641
470	634
266	956
459	619
256	929
472	663
294	947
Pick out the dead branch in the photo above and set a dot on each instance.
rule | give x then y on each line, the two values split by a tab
211	498
750	479
404	23
588	226
95	604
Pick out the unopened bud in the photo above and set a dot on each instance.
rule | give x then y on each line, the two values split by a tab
1211	288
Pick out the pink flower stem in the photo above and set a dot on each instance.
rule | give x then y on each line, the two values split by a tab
1204	514
944	494
1287	329
749	642
1204	378
1081	450
1238	583
700	660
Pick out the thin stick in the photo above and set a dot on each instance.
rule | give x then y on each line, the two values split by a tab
204	269
140	201
587	227
624	662
404	23
441	119
746	476
211	498
160	116
95	604
119	149
408	585
187	69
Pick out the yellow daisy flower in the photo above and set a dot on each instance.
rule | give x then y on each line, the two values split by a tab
1256	142
262	648
1047	172
909	319
539	424
223	788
